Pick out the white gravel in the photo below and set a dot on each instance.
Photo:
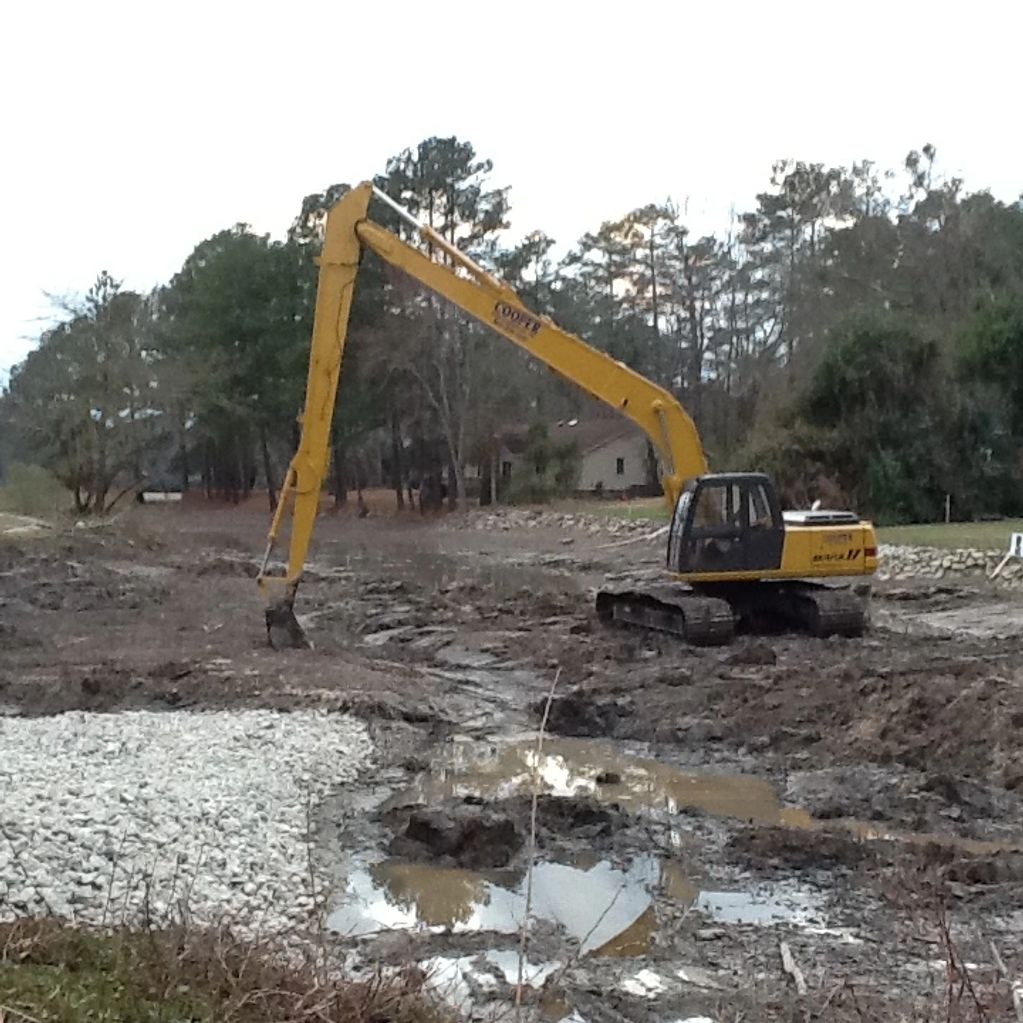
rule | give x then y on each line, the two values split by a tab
106	816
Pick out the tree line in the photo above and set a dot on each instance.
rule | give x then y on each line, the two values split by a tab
858	333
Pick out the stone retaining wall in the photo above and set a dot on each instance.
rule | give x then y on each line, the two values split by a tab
570	522
904	562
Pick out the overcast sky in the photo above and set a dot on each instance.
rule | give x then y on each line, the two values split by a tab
131	131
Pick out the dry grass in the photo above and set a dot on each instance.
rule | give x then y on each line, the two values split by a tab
975	985
531	849
52	972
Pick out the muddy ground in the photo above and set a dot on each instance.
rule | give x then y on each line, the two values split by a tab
857	803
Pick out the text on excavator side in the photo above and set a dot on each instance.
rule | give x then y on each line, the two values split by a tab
516	321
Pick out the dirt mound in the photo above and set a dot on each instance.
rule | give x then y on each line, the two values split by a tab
45	583
228	565
865	791
371	707
472	834
12	638
752	653
926	707
464	834
786	849
109	687
574	819
1002	868
954	720
583	713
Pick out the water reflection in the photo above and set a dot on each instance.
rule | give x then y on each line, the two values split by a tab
608	910
596	905
571	767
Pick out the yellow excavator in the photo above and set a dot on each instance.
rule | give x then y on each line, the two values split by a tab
735	559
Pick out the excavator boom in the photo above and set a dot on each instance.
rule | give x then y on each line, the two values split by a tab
347	232
653	409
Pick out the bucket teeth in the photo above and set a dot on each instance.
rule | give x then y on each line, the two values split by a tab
282	629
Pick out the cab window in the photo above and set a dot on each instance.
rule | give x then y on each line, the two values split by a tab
678	525
760	513
719	510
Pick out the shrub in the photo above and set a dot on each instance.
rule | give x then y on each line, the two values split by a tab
32	490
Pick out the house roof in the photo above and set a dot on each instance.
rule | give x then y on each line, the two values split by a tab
588	434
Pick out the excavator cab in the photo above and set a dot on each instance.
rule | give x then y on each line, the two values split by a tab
727	523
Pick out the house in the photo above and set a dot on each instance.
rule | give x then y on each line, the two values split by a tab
614	456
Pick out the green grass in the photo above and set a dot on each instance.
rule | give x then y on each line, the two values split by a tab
51	972
68	994
991	535
61	975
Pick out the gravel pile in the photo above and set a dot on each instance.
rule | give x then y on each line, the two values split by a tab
109	816
572	523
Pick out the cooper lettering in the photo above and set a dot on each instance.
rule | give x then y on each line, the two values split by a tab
516	321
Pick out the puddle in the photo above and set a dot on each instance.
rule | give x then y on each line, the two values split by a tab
600	907
766	905
571	767
584	767
609	911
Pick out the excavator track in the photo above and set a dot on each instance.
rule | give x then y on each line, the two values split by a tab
826	611
814	608
711	619
699	620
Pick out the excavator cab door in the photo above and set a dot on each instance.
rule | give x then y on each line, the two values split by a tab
727	522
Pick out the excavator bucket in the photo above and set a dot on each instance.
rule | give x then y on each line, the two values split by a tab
282	629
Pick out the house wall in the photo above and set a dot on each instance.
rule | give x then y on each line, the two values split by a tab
601	464
508	463
598	465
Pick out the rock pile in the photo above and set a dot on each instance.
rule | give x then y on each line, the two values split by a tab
570	522
108	817
905	562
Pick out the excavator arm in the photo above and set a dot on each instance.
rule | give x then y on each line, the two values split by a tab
348	232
